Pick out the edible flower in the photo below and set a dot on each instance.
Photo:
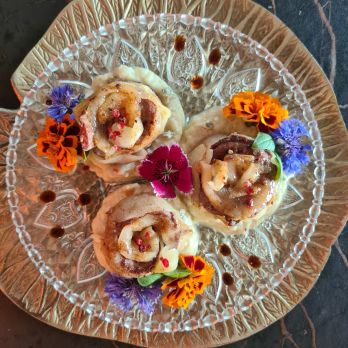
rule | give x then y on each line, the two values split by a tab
256	107
61	102
125	293
59	142
167	168
183	290
290	144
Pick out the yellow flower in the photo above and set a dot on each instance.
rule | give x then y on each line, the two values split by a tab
184	290
258	108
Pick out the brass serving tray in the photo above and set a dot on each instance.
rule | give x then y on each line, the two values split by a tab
19	279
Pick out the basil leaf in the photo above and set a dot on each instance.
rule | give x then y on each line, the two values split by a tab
178	273
279	164
150	279
263	141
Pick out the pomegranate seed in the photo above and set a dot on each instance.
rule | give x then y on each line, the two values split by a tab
138	241
165	262
115	113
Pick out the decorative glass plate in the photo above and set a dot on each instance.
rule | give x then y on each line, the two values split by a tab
69	263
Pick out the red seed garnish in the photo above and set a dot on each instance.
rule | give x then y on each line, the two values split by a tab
138	241
249	190
165	262
113	134
115	113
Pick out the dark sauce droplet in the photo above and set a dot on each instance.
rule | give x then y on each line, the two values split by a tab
214	56
57	231
85	167
254	261
197	82
225	250
179	43
227	279
47	196
84	199
48	102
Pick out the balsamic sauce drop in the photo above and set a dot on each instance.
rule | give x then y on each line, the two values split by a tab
57	231
47	196
227	279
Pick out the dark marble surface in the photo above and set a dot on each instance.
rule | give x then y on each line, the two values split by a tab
322	319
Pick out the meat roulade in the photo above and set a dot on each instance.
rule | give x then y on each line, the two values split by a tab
136	233
235	186
128	111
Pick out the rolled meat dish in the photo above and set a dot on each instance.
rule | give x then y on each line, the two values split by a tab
136	233
128	112
235	186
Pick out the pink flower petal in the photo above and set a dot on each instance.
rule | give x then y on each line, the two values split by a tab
147	169
184	180
177	156
164	190
161	153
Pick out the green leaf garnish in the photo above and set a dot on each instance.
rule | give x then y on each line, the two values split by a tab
150	279
178	273
279	164
84	156
263	141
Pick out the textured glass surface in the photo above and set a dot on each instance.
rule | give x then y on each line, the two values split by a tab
69	262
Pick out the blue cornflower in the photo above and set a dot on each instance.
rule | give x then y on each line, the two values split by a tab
62	102
290	143
126	293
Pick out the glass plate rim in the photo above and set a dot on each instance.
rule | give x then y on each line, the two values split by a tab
242	39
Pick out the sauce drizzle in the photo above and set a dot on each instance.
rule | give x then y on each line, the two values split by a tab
84	199
254	261
57	231
225	250
214	56
227	279
197	82
47	196
179	43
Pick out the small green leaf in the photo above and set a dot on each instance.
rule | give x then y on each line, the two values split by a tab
84	156
150	279
279	164
178	273
263	141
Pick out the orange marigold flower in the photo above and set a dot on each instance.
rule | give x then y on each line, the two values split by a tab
59	142
183	290
258	108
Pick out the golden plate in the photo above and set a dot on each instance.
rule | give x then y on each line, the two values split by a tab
23	284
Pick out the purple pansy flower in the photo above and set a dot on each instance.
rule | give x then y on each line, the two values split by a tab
290	144
166	168
61	102
126	293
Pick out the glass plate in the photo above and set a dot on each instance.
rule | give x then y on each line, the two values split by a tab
69	263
